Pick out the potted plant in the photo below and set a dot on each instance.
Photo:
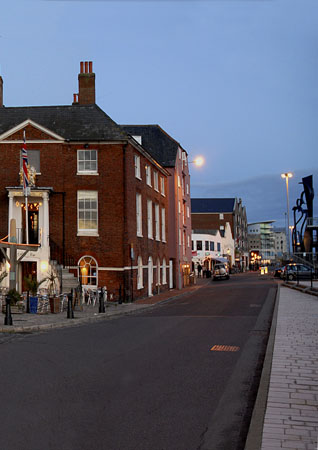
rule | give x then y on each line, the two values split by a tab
32	286
16	302
54	300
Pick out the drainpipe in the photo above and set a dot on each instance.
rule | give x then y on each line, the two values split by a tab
125	244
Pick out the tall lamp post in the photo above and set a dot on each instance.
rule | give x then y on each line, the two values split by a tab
287	175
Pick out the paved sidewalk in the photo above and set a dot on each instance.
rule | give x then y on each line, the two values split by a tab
286	410
27	323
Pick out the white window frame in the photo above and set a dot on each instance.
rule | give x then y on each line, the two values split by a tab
156	180
157	222
86	171
139	214
91	263
188	211
163	224
86	195
148	175
140	274
158	272
34	160
137	166
149	219
162	186
164	271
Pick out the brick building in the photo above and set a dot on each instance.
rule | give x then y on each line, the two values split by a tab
214	213
174	159
95	206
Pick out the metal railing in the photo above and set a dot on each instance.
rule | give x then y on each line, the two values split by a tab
60	256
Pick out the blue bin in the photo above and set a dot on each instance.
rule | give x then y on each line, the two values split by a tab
33	305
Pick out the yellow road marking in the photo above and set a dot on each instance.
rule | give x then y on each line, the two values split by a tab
224	348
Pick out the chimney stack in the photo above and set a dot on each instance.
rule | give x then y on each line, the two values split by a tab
1	91
86	84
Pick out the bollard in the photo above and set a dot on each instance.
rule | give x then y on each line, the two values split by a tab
28	303
8	317
101	302
120	300
70	312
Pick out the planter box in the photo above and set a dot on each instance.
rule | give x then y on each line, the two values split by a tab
55	305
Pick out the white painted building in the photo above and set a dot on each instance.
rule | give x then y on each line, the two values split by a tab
212	245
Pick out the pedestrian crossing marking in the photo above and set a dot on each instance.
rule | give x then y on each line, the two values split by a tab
224	348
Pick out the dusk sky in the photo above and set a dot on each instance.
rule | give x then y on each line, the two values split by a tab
232	80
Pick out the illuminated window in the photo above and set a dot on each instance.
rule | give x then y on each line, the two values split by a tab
88	271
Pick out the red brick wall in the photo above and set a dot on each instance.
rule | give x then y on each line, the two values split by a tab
211	221
116	185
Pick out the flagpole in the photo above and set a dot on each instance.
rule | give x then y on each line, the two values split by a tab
26	189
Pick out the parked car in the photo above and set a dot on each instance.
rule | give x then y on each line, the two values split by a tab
221	271
293	271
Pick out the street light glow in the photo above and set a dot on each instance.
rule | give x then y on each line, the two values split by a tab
286	175
199	161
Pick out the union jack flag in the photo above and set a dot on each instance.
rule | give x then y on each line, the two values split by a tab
25	166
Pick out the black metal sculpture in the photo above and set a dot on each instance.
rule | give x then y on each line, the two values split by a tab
302	235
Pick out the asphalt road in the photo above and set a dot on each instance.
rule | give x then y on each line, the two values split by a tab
147	381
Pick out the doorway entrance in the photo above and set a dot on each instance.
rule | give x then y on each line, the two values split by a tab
33	223
29	268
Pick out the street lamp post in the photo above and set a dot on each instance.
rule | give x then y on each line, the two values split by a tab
287	175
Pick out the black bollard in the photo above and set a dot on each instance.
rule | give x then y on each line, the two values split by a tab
28	303
120	301
70	312
8	317
101	302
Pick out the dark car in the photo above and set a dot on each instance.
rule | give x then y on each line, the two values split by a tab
297	271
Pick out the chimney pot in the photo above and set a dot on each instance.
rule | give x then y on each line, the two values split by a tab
86	84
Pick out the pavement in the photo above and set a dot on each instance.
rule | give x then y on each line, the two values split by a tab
285	414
